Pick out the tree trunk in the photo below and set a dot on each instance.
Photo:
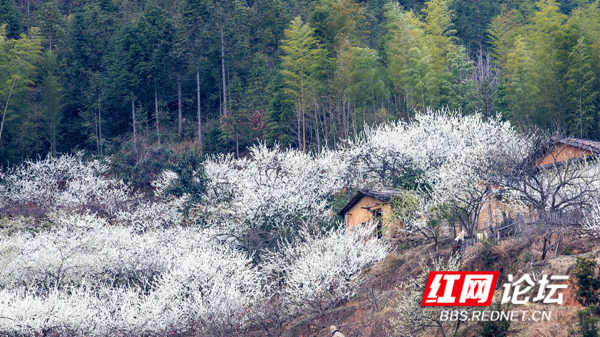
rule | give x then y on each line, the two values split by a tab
237	144
199	106
302	105
298	130
317	127
100	125
156	111
134	132
96	130
53	118
180	124
223	73
12	87
303	132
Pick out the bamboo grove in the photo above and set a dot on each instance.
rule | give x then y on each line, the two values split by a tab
120	76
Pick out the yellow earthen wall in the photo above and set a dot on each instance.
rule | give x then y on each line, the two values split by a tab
362	213
492	209
562	153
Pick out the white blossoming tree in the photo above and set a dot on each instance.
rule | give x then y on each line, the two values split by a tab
65	181
451	157
323	269
414	320
107	261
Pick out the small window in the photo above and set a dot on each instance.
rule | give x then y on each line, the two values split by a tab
377	217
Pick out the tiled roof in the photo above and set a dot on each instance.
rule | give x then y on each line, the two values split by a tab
383	194
585	144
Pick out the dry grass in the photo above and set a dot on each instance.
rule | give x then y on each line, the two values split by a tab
563	323
516	256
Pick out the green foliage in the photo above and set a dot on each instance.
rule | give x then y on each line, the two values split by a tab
410	180
485	251
51	97
338	201
425	65
51	23
300	65
549	65
18	72
269	21
150	163
404	207
260	77
587	281
438	217
278	119
498	328
582	89
361	78
521	82
472	20
338	21
123	68
307	74
191	178
10	16
588	323
435	223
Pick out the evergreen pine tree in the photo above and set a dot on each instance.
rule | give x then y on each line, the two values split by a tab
11	17
582	89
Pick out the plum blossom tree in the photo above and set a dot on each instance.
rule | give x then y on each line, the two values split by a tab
448	154
126	284
453	155
559	187
106	261
215	288
413	319
323	269
277	185
430	143
66	181
123	282
270	196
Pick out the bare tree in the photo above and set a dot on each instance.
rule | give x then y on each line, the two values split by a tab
485	76
415	320
559	190
556	189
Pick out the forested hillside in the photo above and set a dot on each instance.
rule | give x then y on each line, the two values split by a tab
120	76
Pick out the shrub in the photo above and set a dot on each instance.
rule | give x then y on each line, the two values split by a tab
485	250
190	178
497	328
587	282
141	170
588	323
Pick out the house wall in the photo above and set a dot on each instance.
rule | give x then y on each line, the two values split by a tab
491	213
562	153
361	213
492	210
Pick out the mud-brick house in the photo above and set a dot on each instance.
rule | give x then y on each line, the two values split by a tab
370	205
558	150
566	149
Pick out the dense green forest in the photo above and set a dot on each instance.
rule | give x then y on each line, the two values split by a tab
112	76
